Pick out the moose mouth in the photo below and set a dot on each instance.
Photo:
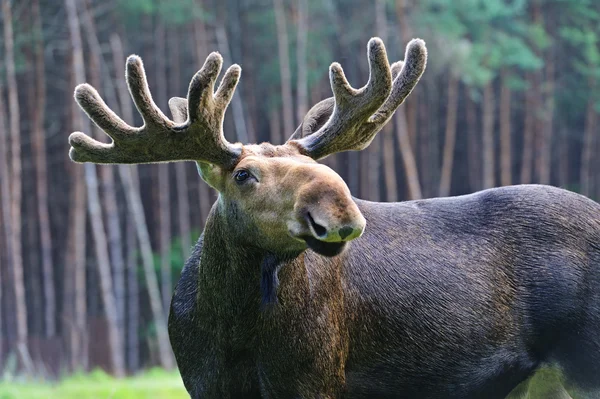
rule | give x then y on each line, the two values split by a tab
328	249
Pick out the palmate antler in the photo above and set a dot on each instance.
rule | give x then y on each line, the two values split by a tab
358	114
195	135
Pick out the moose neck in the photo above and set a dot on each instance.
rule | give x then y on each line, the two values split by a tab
232	269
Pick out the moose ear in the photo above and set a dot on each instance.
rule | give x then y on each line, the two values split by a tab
314	119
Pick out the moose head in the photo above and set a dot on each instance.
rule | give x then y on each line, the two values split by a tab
279	197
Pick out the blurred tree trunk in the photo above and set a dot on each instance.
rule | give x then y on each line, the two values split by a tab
488	136
202	51
536	104
301	61
375	150
134	201
546	125
408	158
411	105
450	137
107	176
164	183
423	137
125	110
16	186
403	133
589	139
236	105
95	210
249	83
130	180
133	343
563	158
6	224
505	133
39	150
474	157
528	132
183	209
74	272
285	72
275	127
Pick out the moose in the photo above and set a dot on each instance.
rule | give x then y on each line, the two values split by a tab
296	289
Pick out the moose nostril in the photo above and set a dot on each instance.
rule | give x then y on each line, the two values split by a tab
319	230
345	232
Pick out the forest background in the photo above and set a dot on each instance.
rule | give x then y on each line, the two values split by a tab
89	254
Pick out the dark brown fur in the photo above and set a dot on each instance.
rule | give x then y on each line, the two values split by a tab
446	298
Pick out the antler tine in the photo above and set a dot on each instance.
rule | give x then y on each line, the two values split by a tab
140	92
410	72
352	106
90	101
195	135
359	114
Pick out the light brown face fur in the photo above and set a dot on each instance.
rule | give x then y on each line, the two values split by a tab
286	201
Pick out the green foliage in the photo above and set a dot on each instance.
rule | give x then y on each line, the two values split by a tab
172	13
154	384
478	38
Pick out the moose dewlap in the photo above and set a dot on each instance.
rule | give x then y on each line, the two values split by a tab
298	290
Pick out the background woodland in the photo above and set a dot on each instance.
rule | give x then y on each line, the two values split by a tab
89	254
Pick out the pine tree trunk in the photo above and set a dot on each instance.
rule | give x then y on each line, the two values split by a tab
130	180
505	134
275	136
423	138
474	159
95	214
133	342
39	149
545	156
285	72
563	159
528	133
301	61
586	172
132	320
74	273
488	137
164	181
237	109
107	176
6	224
134	203
408	158
16	186
201	46
450	137
183	209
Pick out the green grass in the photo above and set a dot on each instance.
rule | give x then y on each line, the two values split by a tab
158	384
154	384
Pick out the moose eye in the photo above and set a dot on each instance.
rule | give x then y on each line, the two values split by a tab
241	175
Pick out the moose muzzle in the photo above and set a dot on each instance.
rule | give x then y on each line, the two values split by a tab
328	214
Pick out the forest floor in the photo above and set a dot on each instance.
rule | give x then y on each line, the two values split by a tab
159	384
154	384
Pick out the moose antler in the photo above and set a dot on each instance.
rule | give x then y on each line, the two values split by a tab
195	135
358	114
